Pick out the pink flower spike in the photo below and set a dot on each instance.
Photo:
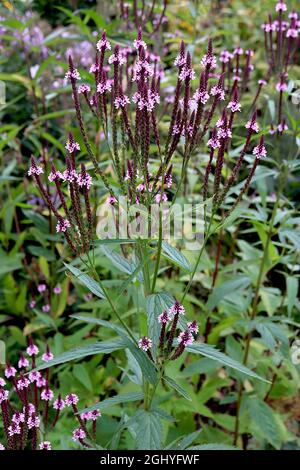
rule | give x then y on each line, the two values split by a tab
34	376
3	395
47	356
10	371
23	362
281	6
71	146
22	383
94	415
18	417
145	343
260	150
73	74
2	382
186	338
32	350
33	421
164	317
34	169
45	445
71	399
78	434
177	309
14	429
193	327
41	288
59	403
103	44
62	225
46	308
84	89
57	290
47	394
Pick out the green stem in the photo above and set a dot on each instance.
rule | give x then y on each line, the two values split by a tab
255	303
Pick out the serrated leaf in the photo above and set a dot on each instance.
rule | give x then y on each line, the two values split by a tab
146	365
177	387
212	353
101	347
225	289
148	430
86	280
116	400
263	421
174	255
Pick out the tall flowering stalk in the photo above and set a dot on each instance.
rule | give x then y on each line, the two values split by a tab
28	416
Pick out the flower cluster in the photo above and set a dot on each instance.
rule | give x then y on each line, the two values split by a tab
22	422
72	224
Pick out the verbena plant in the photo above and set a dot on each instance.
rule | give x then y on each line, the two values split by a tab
154	139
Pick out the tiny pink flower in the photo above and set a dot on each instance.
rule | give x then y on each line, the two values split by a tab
10	371
160	198
3	395
62	225
34	376
22	383
177	308
73	74
18	417
41	288
84	180
71	399
32	350
33	421
47	394
54	175
252	125
186	338
47	356
45	445
23	362
234	106
35	170
145	343
78	434
193	327
32	304
71	146
281	6
83	89
94	415
2	382
121	101
164	317
46	308
59	404
57	290
2	446
260	150
14	429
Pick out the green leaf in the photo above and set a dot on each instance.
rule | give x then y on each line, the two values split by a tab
263	421
155	304
185	442
177	387
103	347
116	400
174	255
148	430
212	353
225	289
146	365
292	285
87	281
